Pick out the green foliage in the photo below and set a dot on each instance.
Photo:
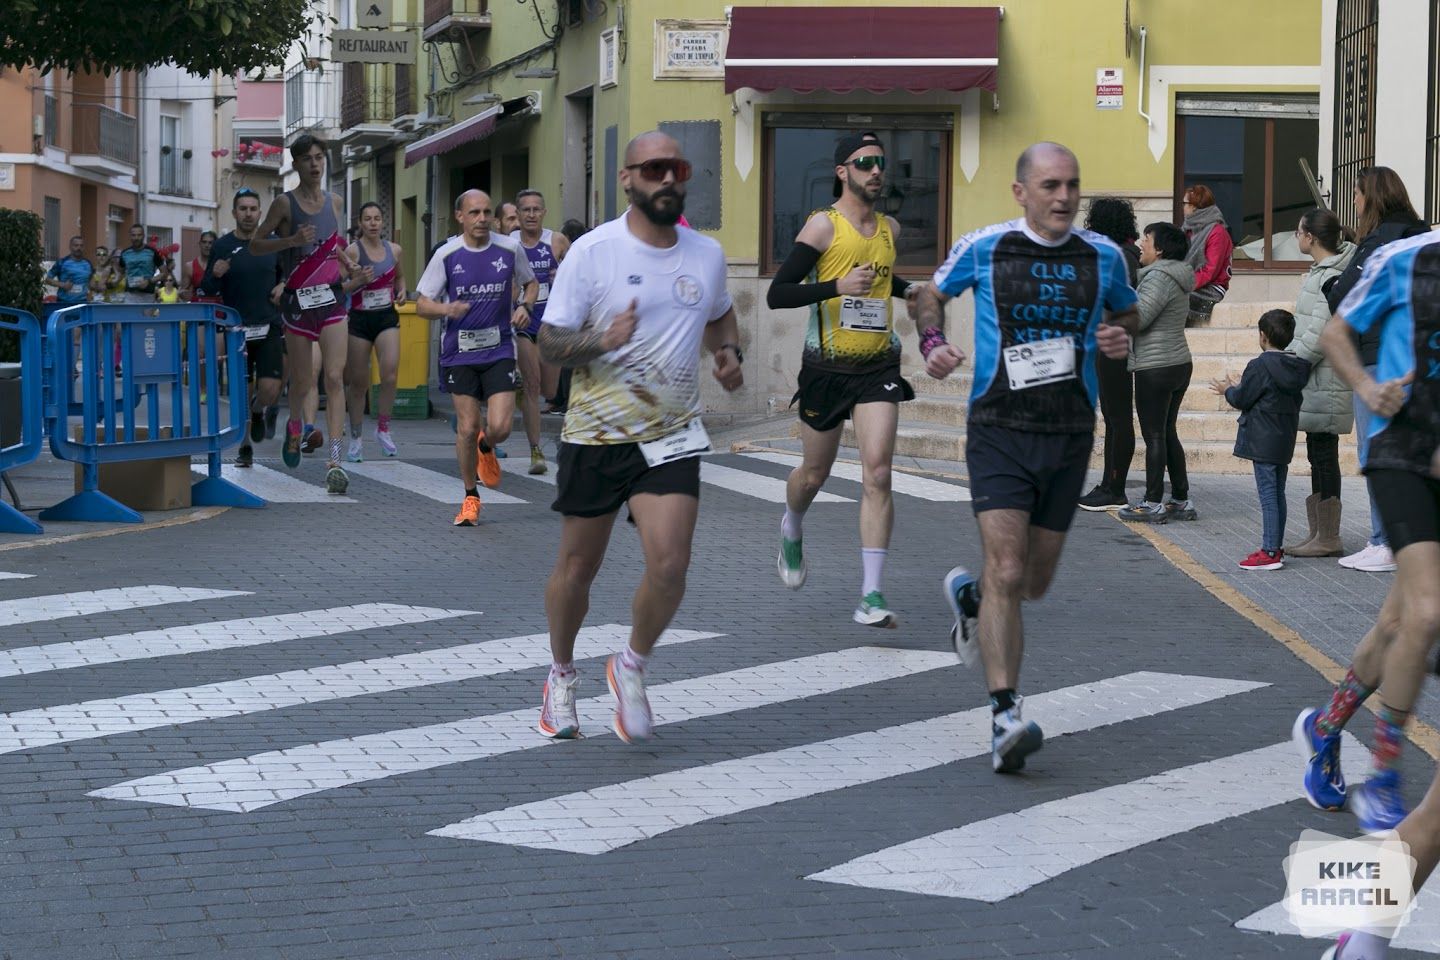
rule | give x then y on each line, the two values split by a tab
20	274
231	36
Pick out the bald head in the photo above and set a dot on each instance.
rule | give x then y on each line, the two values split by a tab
474	212
470	197
650	144
1043	152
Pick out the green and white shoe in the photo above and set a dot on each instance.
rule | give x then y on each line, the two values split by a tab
790	564
874	611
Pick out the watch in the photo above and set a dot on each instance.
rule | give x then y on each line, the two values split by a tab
739	354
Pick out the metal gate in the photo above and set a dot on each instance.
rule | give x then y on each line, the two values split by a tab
1357	30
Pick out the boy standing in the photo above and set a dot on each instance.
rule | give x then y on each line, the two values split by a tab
1268	398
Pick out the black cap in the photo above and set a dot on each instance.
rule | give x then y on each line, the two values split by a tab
854	141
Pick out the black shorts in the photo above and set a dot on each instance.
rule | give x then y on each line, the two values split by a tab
1409	506
526	335
265	358
1039	473
480	380
827	398
596	479
369	324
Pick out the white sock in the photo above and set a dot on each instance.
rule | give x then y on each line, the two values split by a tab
872	559
632	660
790	524
562	670
1364	946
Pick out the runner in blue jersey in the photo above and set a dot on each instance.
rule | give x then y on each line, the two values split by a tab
1399	295
544	250
71	274
1041	291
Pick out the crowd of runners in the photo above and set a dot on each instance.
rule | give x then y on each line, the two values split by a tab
630	307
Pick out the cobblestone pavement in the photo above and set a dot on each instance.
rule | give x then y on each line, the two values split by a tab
307	732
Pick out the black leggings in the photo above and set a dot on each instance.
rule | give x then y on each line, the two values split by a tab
1117	405
1159	392
1323	451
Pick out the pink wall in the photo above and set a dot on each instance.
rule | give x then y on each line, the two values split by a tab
260	100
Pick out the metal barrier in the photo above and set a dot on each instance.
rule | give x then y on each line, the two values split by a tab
156	345
32	422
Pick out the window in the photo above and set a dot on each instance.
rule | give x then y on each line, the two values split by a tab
1253	155
169	154
800	177
1357	35
52	228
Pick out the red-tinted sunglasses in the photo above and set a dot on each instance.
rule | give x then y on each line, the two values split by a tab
656	169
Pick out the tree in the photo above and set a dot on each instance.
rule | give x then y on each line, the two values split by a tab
20	273
201	36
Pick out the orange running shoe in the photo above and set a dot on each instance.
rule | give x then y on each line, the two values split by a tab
487	465
469	514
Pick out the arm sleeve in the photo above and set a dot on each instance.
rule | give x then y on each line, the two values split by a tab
1244	395
432	281
787	290
958	273
1306	344
567	307
898	287
1151	302
524	273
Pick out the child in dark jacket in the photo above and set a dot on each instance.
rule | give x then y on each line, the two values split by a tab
1268	397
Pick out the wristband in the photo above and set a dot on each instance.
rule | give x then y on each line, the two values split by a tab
930	338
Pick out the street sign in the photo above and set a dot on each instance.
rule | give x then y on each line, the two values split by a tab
373	13
372	46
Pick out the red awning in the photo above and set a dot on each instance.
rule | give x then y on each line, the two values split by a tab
475	128
862	48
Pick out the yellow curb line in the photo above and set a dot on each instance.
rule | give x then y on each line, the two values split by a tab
1420	733
745	446
204	513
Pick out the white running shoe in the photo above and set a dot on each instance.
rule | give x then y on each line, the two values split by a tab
356	453
632	708
387	443
1012	739
558	719
1373	558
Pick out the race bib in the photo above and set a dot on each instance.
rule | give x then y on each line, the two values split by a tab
377	299
544	293
690	440
483	339
311	298
1045	361
864	314
258	331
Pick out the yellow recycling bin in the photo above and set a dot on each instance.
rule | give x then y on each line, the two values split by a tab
412	380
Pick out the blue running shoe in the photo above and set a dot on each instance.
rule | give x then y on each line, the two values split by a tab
1324	783
962	592
1012	739
1377	802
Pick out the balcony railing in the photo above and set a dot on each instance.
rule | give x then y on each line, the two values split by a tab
309	98
442	16
374	93
257	153
52	120
102	132
174	173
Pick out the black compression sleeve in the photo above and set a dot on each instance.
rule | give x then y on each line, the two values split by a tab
786	290
898	286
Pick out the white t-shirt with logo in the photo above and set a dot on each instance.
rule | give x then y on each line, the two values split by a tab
650	387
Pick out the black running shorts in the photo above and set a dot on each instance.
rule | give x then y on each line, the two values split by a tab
1041	474
1409	506
596	479
826	399
265	358
369	324
480	380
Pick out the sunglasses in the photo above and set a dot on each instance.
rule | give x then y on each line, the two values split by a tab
656	169
868	163
246	192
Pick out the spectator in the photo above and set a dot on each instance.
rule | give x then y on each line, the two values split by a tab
168	292
72	274
1209	253
1160	360
1268	398
1385	214
1114	217
1326	413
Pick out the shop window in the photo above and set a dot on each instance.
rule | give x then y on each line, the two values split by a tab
798	158
1256	165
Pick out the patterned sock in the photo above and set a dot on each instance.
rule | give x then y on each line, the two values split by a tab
382	423
631	660
472	492
1343	704
790	524
1389	727
562	671
334	449
1002	700
872	561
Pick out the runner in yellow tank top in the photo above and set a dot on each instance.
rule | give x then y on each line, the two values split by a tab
842	268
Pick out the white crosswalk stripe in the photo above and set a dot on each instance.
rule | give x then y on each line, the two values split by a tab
431	484
264	779
15	576
47	726
1420	933
907	483
58	606
992	860
274	486
605	818
754	484
221	635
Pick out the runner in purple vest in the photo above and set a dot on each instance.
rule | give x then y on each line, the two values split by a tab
470	283
544	250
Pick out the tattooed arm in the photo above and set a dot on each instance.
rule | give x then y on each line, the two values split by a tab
576	348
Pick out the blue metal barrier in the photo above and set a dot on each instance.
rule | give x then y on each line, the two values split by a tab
32	421
157	343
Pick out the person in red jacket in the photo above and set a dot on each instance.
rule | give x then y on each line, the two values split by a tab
1210	250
